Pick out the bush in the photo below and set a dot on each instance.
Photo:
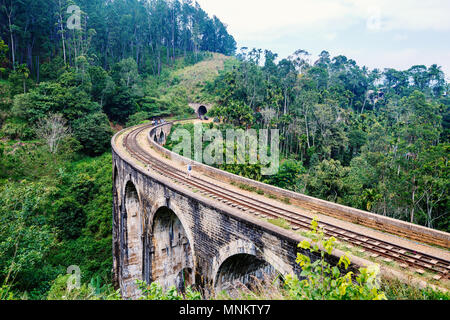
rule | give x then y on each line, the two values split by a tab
69	217
5	97
288	176
94	133
20	79
69	96
324	282
397	290
52	70
26	241
138	118
93	291
16	129
156	292
5	293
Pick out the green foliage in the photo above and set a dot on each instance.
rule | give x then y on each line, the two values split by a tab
397	290
236	113
5	293
88	238
78	204
102	84
362	135
161	99
92	291
69	217
26	239
3	57
16	129
322	281
94	133
280	223
156	292
247	170
20	79
36	162
104	37
121	105
376	140
68	96
5	99
125	74
327	181
61	219
52	70
138	118
288	175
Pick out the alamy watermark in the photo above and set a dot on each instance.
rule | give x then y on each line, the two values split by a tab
237	147
374	21
74	281
74	21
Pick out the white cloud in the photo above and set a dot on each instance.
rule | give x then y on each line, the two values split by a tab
330	36
413	15
374	20
249	17
400	37
376	33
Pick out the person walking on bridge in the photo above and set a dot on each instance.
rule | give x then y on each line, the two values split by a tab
189	170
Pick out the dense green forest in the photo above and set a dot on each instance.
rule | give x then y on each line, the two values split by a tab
63	93
151	32
377	140
372	139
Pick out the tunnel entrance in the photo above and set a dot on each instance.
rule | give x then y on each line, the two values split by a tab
171	254
202	111
243	269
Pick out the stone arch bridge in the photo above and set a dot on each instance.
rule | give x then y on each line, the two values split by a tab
203	231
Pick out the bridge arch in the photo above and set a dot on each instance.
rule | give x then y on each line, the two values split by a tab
172	257
240	260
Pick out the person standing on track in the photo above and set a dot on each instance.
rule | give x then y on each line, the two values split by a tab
189	170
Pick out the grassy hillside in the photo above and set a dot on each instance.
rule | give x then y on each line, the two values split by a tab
193	78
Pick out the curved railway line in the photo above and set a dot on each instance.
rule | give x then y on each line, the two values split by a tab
406	257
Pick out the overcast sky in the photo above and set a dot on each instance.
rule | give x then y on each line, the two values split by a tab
375	33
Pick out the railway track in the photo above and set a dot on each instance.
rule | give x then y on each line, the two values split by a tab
406	257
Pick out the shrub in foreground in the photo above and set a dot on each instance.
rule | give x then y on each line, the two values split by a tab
322	281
